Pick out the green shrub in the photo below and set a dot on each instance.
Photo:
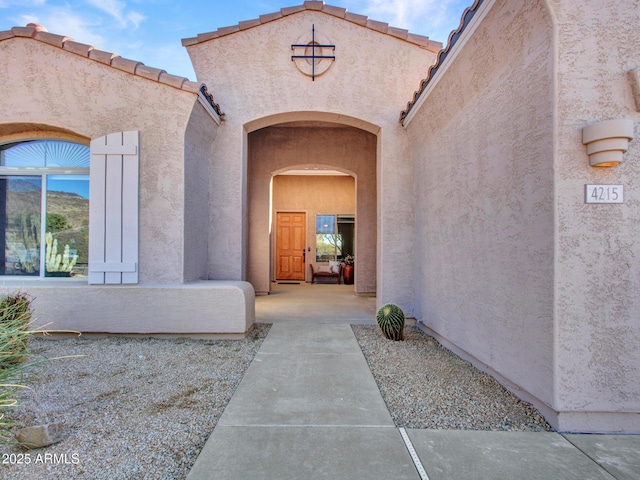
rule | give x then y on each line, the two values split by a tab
15	320
15	317
390	319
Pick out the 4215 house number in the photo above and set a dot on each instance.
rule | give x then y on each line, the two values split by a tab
604	194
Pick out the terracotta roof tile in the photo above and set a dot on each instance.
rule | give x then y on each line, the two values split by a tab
149	72
467	15
52	38
356	18
227	30
78	48
269	17
291	10
192	87
187	42
398	32
313	5
424	41
317	6
248	24
28	31
335	11
379	26
172	80
39	33
203	37
102	56
125	64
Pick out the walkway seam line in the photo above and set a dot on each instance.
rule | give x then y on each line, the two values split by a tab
414	456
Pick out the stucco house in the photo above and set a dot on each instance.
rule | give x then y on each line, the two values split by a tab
488	187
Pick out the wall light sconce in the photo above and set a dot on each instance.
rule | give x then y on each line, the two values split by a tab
607	141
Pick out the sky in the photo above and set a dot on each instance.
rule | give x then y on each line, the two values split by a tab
150	31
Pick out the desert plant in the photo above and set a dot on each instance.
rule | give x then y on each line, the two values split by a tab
17	363
15	319
54	261
390	319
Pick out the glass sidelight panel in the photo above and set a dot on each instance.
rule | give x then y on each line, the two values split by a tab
67	226
20	206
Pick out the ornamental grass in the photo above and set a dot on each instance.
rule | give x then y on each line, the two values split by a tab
15	362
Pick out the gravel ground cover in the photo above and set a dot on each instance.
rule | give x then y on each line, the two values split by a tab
427	386
142	408
132	408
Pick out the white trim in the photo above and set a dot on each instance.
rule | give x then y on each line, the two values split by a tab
451	55
114	149
38	171
207	106
114	267
44	190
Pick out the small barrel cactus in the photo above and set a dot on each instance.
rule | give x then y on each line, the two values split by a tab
390	319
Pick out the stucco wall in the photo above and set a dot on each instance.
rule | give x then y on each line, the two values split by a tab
199	137
482	146
276	148
313	195
253	77
45	85
597	263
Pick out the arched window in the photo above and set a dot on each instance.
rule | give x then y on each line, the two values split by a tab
44	208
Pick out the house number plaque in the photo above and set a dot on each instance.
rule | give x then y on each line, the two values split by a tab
604	194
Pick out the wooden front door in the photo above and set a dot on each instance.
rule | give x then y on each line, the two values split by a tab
290	245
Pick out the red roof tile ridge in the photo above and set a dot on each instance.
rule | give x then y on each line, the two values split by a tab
466	17
41	34
318	6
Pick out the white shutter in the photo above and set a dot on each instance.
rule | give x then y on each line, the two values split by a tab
113	215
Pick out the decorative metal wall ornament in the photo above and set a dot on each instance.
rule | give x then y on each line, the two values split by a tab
314	61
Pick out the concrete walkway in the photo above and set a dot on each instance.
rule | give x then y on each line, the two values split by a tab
308	407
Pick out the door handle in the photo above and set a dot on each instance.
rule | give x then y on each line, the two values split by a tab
304	256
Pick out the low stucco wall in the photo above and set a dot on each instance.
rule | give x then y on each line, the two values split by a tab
217	307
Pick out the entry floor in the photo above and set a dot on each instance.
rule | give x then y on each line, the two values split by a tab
308	407
315	303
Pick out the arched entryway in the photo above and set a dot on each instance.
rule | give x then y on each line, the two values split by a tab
313	222
292	142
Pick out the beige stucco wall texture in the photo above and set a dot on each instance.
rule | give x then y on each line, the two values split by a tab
484	196
512	267
46	85
50	93
597	282
199	143
367	85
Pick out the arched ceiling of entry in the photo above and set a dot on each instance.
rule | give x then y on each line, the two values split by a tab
334	119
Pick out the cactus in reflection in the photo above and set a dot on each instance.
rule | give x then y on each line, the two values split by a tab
54	261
